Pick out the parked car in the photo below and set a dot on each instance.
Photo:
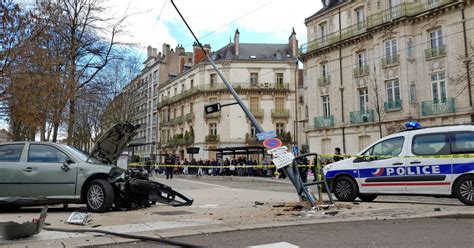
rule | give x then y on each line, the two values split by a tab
33	173
431	161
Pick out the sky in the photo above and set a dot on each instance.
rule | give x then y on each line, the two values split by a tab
154	22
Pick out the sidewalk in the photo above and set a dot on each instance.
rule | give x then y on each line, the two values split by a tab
232	178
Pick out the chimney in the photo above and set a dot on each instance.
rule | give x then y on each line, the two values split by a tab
149	52
155	51
293	43
166	50
236	42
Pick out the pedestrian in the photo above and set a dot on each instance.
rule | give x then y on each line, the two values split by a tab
337	155
169	163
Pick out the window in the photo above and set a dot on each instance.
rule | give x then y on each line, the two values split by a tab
360	17
412	93
430	144
323	31
279	102
212	128
182	88
393	90
191	107
253	78
324	69
254	103
253	132
45	154
462	142
410	48
11	153
390	147
192	83
363	100
436	38
212	79
390	48
175	91
279	78
280	129
362	59
182	110
431	2
174	113
438	85
326	107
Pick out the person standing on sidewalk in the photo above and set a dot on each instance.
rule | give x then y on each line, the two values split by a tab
169	163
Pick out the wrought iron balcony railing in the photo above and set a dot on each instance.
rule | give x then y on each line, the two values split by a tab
361	71
438	107
212	138
324	121
324	80
358	117
392	105
390	60
435	52
280	113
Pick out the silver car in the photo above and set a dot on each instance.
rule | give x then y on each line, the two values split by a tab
33	173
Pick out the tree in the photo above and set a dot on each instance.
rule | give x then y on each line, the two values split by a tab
377	101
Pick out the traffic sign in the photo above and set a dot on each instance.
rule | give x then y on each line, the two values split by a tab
281	148
283	160
266	135
295	149
272	143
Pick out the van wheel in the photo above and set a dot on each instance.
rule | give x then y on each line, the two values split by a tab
345	189
99	196
464	189
367	198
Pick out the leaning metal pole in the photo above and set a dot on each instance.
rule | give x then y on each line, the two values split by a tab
294	178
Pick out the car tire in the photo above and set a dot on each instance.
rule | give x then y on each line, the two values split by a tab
9	208
345	189
99	196
366	198
464	189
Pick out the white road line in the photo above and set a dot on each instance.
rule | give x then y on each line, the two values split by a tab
275	245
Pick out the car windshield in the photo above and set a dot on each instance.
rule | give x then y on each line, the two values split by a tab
82	155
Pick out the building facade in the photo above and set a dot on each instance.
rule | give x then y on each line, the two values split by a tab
370	66
265	77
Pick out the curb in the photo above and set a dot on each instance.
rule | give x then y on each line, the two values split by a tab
232	178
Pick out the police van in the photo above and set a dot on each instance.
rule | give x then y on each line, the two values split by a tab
434	161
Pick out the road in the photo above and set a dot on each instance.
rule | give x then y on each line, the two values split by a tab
426	232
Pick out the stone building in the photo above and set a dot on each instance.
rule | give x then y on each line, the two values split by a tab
265	77
370	66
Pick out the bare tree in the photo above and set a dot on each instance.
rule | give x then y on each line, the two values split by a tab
377	101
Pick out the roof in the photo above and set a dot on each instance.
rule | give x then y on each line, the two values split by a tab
331	5
255	52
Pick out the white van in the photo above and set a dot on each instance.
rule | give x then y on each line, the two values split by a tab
409	163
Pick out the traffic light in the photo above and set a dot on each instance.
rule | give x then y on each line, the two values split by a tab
211	108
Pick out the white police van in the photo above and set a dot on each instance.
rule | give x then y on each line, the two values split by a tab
436	161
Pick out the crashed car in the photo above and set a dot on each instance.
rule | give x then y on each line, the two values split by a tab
37	173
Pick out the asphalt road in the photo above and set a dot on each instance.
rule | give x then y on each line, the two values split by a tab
436	232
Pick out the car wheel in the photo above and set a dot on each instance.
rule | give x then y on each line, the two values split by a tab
464	189
99	196
367	198
9	208
345	189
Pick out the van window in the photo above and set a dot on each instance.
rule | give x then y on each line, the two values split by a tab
431	144
387	148
11	153
462	142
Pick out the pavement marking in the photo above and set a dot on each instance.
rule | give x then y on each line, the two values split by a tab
275	245
128	228
208	184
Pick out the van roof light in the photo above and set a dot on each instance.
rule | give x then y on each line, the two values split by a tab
412	125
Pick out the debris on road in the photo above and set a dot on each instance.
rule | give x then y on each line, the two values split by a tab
258	203
14	230
78	218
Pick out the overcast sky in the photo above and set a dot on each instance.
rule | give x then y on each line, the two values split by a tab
259	21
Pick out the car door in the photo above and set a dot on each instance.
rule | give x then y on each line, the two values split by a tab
382	169
47	172
11	175
428	171
462	148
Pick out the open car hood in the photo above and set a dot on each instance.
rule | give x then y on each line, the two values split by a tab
110	145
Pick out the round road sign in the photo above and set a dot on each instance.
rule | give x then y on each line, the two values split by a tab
272	143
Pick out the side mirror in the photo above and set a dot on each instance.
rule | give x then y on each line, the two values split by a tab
69	161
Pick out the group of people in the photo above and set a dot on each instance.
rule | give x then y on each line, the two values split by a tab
240	166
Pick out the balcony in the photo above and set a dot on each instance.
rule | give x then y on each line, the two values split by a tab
404	10
392	105
212	138
361	71
324	121
280	113
358	117
390	60
251	140
189	117
324	80
438	107
257	112
214	115
435	52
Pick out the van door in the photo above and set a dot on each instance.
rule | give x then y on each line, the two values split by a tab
462	143
381	168
428	172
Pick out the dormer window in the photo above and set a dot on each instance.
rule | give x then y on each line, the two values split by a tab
278	55
323	30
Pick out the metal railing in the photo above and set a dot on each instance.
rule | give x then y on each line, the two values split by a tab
435	52
280	113
392	105
396	12
324	121
438	107
212	138
189	117
213	87
257	112
361	71
390	60
358	117
324	80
